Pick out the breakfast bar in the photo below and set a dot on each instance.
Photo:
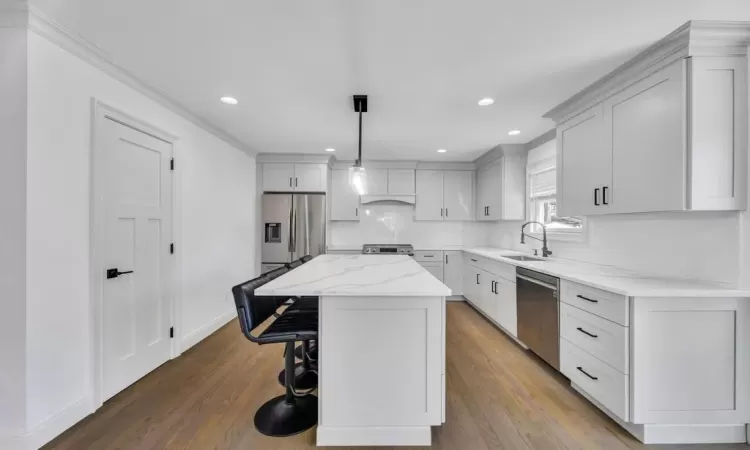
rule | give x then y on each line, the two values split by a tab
381	363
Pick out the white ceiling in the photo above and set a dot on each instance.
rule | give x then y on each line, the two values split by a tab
294	64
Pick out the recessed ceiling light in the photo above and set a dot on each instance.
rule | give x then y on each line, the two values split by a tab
442	150
486	101
330	149
229	100
514	132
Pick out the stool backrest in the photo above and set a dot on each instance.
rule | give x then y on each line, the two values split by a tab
253	310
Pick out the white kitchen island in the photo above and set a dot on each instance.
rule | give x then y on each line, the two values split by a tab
381	363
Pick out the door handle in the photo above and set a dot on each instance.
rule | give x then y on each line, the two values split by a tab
587	333
488	210
604	196
441	212
587	299
586	373
113	273
596	197
290	181
295	182
446	212
493	287
446	259
356	212
477	278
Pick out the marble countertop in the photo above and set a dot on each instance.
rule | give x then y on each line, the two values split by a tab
358	275
614	279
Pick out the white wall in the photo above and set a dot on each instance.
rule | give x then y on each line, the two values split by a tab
394	224
214	244
12	229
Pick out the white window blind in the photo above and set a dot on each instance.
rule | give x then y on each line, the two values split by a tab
543	183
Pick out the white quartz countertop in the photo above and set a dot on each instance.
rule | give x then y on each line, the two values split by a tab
358	275
613	279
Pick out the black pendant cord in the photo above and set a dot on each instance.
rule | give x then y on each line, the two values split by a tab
359	158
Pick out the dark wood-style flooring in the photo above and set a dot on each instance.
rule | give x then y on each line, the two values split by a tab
499	397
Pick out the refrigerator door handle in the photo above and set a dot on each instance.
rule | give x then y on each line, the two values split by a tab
291	225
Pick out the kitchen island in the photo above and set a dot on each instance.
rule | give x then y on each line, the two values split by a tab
381	363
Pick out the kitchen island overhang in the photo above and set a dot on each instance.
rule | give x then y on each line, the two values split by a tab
381	364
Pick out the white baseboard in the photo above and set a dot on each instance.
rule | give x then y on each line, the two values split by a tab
50	428
207	330
371	436
455	298
675	434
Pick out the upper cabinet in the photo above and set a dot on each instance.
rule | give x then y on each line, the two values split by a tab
444	195
501	189
389	181
344	199
665	132
287	177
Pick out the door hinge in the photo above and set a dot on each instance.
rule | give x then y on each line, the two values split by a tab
171	332
171	164
171	249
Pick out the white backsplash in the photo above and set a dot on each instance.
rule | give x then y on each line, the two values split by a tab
394	223
700	245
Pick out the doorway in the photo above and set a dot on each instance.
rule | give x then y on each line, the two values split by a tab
132	260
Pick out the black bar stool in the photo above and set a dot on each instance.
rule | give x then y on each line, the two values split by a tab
292	412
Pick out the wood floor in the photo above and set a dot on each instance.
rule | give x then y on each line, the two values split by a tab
499	397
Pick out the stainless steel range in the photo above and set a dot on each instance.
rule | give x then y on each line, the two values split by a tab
388	249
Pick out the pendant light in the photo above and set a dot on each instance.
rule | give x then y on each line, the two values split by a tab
357	172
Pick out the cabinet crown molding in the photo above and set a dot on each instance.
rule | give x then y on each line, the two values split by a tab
694	38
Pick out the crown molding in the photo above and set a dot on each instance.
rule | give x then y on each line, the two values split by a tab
498	152
299	158
47	28
694	38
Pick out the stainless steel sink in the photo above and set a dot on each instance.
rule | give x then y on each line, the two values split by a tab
523	258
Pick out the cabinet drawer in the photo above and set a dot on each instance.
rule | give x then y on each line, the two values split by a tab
605	384
428	255
605	304
500	269
606	340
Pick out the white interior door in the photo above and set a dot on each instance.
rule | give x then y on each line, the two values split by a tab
134	192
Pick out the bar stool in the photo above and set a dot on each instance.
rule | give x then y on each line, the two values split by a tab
293	412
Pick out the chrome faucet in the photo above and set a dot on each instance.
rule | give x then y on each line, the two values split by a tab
545	251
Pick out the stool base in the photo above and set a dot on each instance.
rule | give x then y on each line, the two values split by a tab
278	418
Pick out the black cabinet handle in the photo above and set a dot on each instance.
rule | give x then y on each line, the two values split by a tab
113	273
356	212
441	212
477	278
604	196
492	287
586	332
473	259
429	256
446	259
488	210
446	212
596	197
586	373
587	299
295	182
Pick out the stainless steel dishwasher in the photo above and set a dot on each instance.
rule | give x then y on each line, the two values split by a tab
538	314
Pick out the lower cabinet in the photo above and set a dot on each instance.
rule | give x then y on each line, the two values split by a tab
453	271
435	268
493	295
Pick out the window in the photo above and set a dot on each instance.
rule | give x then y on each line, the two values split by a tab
542	189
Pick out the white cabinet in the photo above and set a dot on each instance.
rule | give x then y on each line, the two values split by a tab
458	195
376	181
401	181
673	140
586	166
453	271
278	177
344	199
286	177
501	189
310	177
435	268
503	309
429	204
490	286
444	195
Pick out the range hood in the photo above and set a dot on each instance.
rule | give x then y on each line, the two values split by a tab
388	198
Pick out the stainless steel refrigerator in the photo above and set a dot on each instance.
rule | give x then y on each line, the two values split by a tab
294	225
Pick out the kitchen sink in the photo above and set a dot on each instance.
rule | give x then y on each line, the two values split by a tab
523	258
